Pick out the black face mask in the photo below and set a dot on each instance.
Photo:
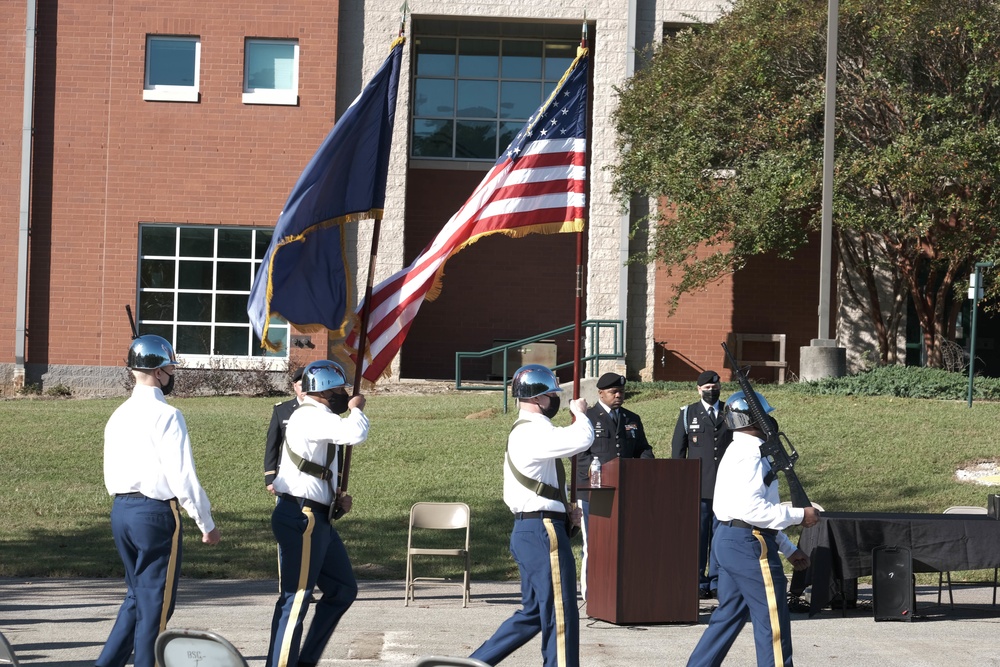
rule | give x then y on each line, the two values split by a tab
169	387
710	396
338	403
553	408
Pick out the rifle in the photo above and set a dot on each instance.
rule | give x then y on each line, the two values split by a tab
773	448
131	321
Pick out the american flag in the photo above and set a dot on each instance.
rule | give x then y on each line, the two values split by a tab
536	186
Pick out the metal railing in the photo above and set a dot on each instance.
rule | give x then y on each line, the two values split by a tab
592	330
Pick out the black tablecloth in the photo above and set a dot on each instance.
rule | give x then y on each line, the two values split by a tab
840	546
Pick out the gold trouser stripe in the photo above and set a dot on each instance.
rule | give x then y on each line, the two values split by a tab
772	601
557	593
300	592
168	585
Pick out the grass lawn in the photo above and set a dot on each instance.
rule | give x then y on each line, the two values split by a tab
885	454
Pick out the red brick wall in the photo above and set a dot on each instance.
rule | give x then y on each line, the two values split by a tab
769	295
105	160
497	288
12	30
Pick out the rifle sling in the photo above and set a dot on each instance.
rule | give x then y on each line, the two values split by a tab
535	486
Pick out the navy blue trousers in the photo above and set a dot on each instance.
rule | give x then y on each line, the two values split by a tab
148	536
543	555
310	554
752	586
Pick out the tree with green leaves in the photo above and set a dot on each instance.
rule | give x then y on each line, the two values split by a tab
724	125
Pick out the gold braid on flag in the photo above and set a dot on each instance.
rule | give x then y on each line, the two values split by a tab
301	238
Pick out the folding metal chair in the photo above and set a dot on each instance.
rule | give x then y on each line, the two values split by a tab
964	509
7	656
437	516
440	661
196	648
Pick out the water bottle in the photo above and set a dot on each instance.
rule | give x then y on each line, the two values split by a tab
595	473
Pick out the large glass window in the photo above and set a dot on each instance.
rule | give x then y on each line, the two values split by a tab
172	68
271	71
475	85
194	283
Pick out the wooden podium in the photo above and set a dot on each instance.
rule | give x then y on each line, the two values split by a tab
643	542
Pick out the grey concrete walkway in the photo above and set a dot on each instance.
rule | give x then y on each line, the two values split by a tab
64	622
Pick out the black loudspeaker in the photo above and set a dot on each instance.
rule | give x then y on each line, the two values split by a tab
893	596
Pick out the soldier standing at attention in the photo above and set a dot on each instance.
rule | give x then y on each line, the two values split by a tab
701	433
618	433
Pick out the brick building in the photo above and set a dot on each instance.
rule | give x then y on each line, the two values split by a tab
166	138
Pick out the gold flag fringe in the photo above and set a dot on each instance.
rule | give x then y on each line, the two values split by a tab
271	346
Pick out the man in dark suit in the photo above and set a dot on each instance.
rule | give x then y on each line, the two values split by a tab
701	433
276	430
618	433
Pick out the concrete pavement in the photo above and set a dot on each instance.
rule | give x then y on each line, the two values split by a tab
64	622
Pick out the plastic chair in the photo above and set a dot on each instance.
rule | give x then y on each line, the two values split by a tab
437	516
196	648
440	661
964	509
7	656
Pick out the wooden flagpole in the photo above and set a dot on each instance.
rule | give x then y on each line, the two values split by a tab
345	472
578	316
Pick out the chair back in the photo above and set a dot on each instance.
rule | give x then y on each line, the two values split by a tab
196	648
965	509
441	661
7	656
439	516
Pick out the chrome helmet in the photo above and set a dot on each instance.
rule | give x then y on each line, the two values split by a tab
150	351
322	375
533	380
738	410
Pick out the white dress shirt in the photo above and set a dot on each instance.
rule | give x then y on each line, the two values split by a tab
311	429
740	492
533	449
147	449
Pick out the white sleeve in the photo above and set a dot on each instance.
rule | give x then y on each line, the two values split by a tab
174	450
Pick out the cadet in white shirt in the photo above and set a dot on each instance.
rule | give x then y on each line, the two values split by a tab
752	583
534	489
149	469
310	552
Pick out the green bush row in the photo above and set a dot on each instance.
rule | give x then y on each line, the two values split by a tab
904	382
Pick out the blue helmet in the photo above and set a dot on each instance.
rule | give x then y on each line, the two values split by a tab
533	380
150	351
738	410
322	375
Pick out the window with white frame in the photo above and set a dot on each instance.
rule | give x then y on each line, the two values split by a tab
271	71
475	84
172	68
194	282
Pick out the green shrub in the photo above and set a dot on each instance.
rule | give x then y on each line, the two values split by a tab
59	391
30	389
904	382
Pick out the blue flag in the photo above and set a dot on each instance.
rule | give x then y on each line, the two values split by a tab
304	277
